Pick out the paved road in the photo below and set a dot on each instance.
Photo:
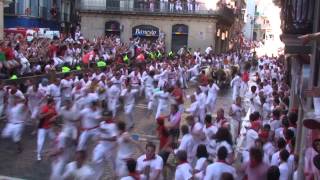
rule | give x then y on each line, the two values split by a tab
25	166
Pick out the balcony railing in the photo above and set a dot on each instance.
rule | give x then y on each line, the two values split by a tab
146	7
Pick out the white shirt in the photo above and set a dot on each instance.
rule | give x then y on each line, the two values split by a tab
155	165
66	87
284	171
208	50
201	99
90	118
129	97
193	109
11	97
251	136
200	164
183	172
108	130
113	92
237	112
275	159
69	116
210	131
17	113
187	145
54	90
214	171
213	91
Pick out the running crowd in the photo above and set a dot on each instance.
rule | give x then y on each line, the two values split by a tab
252	139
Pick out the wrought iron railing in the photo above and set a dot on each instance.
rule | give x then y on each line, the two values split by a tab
297	16
146	6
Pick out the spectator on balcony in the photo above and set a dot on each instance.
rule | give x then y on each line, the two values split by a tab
171	4
197	5
163	4
190	5
151	5
178	5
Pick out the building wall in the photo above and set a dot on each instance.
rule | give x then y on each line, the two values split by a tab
249	16
201	30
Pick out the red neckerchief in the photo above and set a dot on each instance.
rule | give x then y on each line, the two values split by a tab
288	141
208	125
253	163
150	158
135	175
223	161
182	162
109	121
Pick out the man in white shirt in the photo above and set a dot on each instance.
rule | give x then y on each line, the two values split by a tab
196	130
90	118
78	169
184	169
66	87
163	102
208	50
129	96
15	125
201	99
193	109
215	170
106	147
113	98
235	84
68	114
283	166
212	96
186	143
55	92
281	145
150	164
250	137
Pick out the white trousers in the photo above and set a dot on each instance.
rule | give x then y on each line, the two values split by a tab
57	167
202	114
112	106
70	131
101	154
128	110
13	131
211	103
41	137
85	136
171	6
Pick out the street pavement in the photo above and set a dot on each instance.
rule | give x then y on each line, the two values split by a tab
25	166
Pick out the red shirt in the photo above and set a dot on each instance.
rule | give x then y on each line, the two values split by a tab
164	136
178	94
52	49
8	53
245	76
203	80
50	112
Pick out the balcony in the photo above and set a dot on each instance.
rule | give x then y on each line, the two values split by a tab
157	8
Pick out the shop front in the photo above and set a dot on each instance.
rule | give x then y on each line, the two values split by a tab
179	37
146	32
112	28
